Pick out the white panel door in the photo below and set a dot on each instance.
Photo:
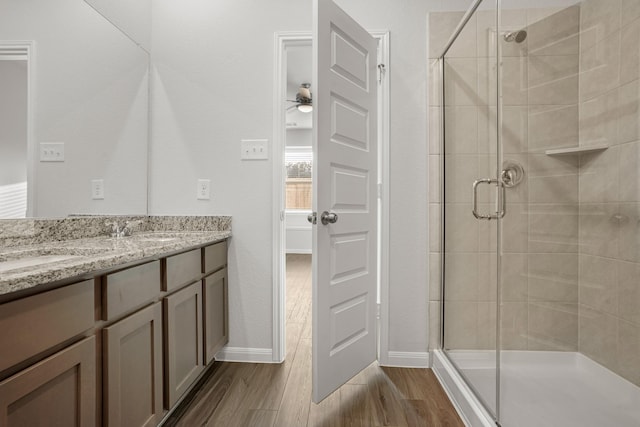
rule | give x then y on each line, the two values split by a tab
344	185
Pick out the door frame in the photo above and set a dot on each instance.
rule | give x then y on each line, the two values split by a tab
282	41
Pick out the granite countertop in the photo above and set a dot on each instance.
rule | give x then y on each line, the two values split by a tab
36	263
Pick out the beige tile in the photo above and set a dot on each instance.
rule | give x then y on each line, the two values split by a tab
559	186
598	19
598	336
600	67
515	129
461	130
553	277
461	170
552	127
487	135
553	31
462	276
514	330
434	179
598	230
626	221
599	283
515	81
630	11
599	176
434	130
515	228
629	172
460	81
599	119
629	291
629	112
553	326
442	26
630	55
628	363
487	279
487	75
435	325
485	32
460	325
487	325
435	224
514	277
553	80
553	228
462	228
435	291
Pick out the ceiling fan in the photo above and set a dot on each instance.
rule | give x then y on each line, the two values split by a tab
303	99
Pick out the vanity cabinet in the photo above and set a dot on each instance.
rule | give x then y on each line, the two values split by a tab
216	329
120	349
132	375
183	341
57	391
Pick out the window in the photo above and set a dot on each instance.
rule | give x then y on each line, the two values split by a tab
298	161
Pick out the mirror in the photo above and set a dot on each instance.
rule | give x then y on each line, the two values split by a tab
74	126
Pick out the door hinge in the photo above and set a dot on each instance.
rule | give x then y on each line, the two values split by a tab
378	311
281	215
382	70
379	190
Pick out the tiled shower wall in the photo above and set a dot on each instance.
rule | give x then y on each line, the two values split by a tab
609	310
570	238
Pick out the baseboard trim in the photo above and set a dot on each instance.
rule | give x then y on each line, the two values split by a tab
245	354
406	359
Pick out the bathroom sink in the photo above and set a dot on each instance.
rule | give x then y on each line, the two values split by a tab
33	261
30	258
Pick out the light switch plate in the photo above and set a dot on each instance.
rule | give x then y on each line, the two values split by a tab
52	151
254	149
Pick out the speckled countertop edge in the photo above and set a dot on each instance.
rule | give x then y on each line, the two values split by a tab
95	254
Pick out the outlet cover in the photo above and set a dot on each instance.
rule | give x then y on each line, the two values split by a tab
97	189
204	189
52	151
254	149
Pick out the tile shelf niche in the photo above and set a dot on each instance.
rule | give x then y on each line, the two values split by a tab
576	150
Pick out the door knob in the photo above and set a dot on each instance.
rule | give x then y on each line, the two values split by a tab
328	218
312	217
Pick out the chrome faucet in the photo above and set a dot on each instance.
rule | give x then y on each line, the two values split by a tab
127	230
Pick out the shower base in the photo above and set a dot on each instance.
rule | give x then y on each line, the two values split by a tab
539	389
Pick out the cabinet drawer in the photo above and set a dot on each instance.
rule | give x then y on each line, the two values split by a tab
37	323
215	257
183	268
129	289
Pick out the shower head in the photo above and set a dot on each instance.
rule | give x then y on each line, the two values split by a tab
515	36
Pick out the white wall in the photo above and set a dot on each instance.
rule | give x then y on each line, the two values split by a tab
213	86
90	92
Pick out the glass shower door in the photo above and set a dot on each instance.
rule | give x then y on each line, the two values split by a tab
472	203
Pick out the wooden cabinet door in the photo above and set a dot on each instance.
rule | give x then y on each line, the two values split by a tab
216	330
133	369
58	391
183	340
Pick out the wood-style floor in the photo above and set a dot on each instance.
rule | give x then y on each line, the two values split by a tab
257	395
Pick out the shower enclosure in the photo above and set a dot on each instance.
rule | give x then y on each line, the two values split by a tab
539	111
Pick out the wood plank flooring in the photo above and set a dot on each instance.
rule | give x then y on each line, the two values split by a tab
270	395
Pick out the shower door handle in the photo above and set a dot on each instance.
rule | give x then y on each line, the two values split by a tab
500	199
